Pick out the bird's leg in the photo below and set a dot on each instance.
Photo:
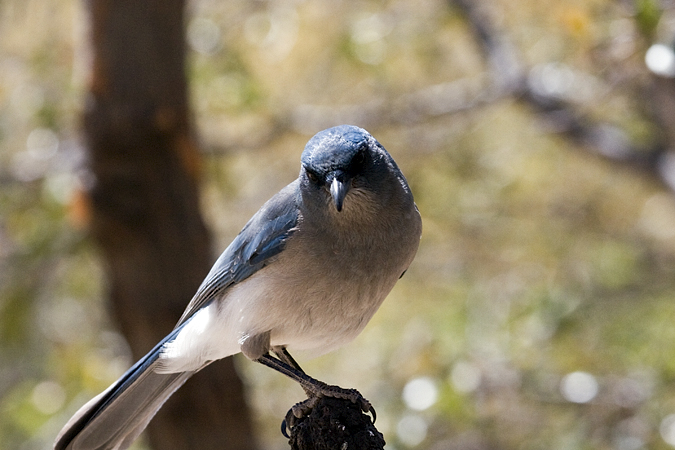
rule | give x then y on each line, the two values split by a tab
311	385
314	388
282	354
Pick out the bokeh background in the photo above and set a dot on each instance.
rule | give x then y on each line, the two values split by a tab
540	310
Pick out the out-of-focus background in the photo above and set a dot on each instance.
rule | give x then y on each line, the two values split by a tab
540	310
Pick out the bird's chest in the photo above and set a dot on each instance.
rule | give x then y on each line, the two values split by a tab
358	249
334	279
350	276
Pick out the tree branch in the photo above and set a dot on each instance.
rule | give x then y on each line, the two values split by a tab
335	424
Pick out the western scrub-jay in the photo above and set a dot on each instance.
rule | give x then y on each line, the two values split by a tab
307	272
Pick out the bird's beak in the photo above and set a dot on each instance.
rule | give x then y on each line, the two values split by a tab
338	190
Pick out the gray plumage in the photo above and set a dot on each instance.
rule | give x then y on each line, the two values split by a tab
307	272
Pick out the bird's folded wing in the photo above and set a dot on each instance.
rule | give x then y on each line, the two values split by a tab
263	237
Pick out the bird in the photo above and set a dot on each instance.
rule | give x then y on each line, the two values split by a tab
307	272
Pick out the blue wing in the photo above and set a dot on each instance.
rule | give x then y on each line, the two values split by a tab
262	238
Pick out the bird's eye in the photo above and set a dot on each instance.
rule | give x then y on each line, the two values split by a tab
359	159
314	178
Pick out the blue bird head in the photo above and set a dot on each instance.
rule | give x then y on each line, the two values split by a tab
335	157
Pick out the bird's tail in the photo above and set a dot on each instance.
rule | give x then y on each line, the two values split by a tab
116	417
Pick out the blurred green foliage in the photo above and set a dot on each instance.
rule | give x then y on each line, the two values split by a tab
540	310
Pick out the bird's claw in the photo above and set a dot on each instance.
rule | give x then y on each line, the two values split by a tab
302	409
283	429
298	411
372	413
353	395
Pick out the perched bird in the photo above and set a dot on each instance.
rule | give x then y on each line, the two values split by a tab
307	272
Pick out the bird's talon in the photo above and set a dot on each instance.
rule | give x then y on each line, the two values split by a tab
289	421
298	411
372	413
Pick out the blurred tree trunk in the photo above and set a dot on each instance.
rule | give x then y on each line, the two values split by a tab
145	205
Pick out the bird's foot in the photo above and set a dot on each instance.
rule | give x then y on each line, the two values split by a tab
316	392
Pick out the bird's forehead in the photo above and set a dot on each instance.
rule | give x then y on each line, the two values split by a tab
335	147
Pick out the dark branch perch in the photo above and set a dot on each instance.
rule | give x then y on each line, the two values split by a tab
335	424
